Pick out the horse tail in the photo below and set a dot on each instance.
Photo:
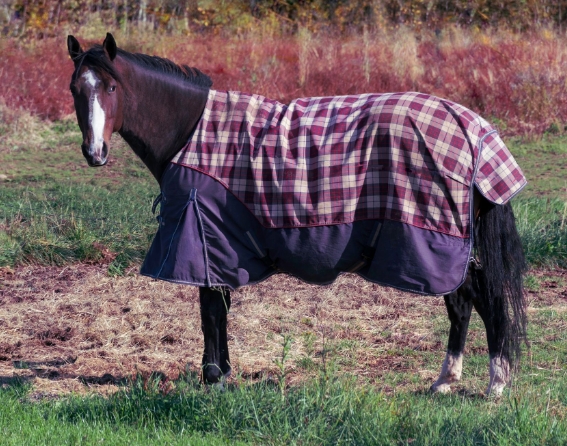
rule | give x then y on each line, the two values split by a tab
503	264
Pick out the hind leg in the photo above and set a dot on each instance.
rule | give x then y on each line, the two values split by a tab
215	304
459	307
496	334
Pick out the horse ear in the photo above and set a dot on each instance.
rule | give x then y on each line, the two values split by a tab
109	46
74	47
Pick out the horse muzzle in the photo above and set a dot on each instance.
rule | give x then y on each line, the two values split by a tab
95	158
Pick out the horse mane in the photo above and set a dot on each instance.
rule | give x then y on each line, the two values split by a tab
96	58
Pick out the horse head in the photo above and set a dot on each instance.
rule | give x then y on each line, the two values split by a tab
98	96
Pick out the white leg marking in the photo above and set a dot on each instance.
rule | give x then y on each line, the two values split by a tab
97	117
450	373
499	375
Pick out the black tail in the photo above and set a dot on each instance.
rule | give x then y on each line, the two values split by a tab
503	265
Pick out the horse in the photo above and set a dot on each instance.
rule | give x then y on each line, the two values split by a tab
406	190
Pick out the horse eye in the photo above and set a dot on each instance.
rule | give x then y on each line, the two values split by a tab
112	89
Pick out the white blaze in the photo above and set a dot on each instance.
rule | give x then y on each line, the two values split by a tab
91	79
97	118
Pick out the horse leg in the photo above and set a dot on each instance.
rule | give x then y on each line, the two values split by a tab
498	291
215	304
497	326
459	307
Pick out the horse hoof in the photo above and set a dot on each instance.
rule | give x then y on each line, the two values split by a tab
218	384
440	388
495	391
216	387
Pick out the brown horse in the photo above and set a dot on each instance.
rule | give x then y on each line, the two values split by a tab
158	106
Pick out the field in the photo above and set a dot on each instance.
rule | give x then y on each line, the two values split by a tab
92	353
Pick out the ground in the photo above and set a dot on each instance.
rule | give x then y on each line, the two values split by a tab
76	329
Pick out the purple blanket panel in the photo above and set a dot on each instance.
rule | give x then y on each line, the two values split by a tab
203	240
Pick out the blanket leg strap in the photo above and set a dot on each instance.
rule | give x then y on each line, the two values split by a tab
369	250
157	201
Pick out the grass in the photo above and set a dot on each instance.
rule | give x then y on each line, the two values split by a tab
332	408
366	382
75	421
542	226
544	160
67	223
56	210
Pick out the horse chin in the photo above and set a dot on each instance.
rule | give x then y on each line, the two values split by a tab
96	157
97	163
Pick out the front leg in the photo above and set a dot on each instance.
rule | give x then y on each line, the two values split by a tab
215	304
459	307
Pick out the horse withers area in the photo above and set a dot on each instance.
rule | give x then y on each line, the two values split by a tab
405	189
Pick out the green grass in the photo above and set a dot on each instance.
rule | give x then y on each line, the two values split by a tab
68	222
544	162
84	421
542	224
541	208
329	409
55	210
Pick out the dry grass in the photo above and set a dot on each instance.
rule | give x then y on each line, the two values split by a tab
75	329
17	122
75	326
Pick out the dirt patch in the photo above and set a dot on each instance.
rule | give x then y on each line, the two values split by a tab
548	288
75	329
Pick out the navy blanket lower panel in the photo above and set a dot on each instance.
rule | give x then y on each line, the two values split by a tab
202	240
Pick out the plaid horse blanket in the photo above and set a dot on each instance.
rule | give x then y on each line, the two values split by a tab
377	184
407	157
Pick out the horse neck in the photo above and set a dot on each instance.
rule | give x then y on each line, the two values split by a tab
159	114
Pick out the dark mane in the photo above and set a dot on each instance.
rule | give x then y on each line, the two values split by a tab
97	59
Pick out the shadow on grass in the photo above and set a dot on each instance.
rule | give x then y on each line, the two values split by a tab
324	410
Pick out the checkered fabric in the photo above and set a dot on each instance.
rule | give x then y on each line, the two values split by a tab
407	157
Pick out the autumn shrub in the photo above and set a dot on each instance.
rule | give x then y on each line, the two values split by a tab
516	80
35	76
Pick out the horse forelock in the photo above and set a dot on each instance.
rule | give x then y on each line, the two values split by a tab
96	59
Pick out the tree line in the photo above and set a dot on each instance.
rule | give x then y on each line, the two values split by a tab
44	17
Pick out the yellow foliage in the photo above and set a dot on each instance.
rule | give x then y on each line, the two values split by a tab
48	17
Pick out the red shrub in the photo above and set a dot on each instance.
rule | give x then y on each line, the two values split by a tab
36	78
519	82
